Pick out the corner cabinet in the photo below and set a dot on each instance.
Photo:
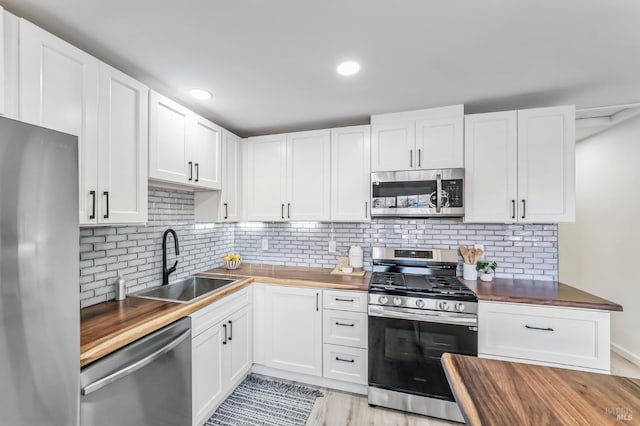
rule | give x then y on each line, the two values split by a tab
288	176
65	89
520	166
293	329
423	139
184	148
350	173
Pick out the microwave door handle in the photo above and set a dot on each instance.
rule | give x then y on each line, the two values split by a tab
438	193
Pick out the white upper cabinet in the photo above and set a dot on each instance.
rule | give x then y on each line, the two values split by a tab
546	165
393	146
293	329
3	62
266	177
184	148
169	150
123	142
520	166
59	90
491	172
63	88
308	175
440	143
423	139
350	173
288	176
205	139
231	177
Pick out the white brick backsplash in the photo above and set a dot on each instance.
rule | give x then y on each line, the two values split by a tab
521	251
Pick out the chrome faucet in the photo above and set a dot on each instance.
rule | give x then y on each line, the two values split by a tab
165	271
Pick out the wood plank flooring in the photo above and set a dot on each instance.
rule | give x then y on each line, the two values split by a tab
345	409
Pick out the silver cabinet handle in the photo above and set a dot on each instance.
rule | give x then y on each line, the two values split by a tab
530	327
131	368
411	158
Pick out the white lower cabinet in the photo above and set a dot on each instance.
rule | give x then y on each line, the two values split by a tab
345	363
222	352
546	335
293	329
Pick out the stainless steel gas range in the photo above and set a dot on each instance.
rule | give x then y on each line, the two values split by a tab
418	310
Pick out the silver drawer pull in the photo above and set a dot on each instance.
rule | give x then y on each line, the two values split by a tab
340	299
539	328
345	360
345	325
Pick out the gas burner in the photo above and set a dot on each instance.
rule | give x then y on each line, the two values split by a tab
387	279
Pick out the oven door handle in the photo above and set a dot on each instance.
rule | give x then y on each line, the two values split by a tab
390	312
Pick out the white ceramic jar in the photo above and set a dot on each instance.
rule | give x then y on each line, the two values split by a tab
356	258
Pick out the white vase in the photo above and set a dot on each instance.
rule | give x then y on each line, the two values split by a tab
469	272
486	277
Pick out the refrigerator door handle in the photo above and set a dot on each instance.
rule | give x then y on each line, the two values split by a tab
131	368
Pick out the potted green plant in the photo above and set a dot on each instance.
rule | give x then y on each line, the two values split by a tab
486	270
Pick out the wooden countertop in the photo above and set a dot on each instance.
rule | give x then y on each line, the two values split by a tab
299	276
491	392
539	293
109	326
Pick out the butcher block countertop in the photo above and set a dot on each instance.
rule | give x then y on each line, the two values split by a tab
491	392
538	292
109	326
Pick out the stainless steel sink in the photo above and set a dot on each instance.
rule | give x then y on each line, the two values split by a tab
187	290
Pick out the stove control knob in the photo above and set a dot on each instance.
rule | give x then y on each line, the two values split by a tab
383	300
397	301
420	303
444	306
459	307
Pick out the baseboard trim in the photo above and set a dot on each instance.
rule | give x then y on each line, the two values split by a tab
626	354
311	380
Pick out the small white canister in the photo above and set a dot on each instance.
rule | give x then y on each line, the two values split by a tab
469	272
356	258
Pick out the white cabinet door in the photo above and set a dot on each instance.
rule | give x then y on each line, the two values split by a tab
293	329
491	172
204	138
207	372
308	175
350	173
123	143
393	146
546	165
59	90
440	143
3	62
231	177
266	175
240	344
169	153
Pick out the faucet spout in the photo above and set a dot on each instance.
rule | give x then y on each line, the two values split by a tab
167	271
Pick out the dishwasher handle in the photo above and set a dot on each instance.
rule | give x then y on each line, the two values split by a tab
131	368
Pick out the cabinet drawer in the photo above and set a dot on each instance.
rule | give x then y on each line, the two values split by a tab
342	300
346	364
345	328
572	337
208	316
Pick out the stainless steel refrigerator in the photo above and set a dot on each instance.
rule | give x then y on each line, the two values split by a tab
39	273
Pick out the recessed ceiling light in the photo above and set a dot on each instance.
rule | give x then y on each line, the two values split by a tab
348	68
200	94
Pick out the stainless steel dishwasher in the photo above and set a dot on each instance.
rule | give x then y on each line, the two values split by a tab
148	382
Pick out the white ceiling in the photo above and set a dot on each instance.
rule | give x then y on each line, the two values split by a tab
270	63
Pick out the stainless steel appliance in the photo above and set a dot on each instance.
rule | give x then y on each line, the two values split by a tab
418	310
146	383
418	193
39	289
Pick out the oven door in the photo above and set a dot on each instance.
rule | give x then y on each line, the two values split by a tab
406	345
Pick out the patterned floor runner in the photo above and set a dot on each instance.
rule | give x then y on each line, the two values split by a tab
258	401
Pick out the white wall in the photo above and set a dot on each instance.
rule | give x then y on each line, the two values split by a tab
600	253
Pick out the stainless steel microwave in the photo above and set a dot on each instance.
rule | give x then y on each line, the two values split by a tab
418	193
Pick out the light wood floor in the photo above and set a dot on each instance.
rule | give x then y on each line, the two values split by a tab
345	409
